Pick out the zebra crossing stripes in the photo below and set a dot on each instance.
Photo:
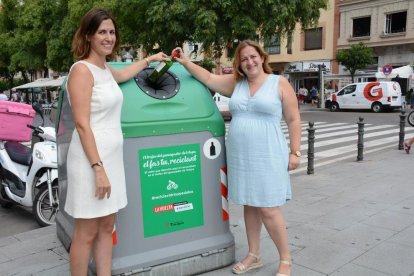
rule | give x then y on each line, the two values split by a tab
333	146
338	141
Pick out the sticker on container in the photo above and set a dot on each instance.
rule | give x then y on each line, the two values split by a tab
212	148
171	189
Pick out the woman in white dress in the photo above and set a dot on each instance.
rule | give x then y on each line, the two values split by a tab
96	180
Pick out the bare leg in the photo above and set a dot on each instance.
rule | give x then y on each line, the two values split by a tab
84	234
410	141
102	249
276	227
407	144
253	226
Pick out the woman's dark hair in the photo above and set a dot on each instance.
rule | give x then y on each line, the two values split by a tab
89	24
238	72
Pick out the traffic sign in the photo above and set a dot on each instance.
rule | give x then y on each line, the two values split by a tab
387	69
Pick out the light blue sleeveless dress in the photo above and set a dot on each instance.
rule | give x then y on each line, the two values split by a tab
257	151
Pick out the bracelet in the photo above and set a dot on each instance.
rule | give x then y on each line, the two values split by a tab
99	163
147	60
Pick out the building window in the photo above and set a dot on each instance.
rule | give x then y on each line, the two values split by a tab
313	39
395	22
272	44
289	44
361	26
192	47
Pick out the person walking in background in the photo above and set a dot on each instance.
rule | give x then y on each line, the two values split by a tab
306	94
258	158
3	96
407	144
314	95
15	97
302	94
96	181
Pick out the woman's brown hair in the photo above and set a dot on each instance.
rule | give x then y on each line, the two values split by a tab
238	72
90	23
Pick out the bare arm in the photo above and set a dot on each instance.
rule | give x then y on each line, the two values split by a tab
80	85
223	84
292	118
130	71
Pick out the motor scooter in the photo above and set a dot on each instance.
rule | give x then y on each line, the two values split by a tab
29	176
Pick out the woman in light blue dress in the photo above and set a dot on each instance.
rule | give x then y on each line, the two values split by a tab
258	157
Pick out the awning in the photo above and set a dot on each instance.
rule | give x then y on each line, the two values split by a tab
405	72
41	83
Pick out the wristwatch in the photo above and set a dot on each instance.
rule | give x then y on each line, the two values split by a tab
297	153
99	163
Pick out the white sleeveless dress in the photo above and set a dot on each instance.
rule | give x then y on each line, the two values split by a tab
105	121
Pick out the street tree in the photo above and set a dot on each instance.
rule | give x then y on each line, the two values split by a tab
8	15
357	57
35	20
216	24
43	29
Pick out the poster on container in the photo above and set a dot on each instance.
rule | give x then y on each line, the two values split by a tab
171	189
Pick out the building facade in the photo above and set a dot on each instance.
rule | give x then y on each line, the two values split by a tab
387	27
300	56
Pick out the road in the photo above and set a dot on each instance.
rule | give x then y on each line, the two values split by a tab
351	116
335	140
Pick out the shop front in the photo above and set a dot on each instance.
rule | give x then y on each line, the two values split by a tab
306	73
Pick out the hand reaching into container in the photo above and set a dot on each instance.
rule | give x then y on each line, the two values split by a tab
157	57
178	55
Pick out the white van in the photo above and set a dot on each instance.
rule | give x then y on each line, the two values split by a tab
222	103
376	96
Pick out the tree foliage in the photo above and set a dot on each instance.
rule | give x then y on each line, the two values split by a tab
357	57
215	24
37	34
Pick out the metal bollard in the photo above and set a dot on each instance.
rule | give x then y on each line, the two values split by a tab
311	148
402	130
361	124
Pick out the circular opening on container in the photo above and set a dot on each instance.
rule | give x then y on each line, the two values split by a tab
165	87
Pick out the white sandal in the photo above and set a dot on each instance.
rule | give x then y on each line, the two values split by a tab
285	263
240	268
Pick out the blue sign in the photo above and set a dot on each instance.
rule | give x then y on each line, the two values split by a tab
387	69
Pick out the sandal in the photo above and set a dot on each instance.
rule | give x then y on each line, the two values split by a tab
285	263
407	147
240	268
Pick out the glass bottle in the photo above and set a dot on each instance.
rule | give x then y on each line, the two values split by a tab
160	70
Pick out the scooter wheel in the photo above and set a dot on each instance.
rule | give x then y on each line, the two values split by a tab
3	199
410	118
45	214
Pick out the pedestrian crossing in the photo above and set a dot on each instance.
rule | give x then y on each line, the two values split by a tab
339	141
